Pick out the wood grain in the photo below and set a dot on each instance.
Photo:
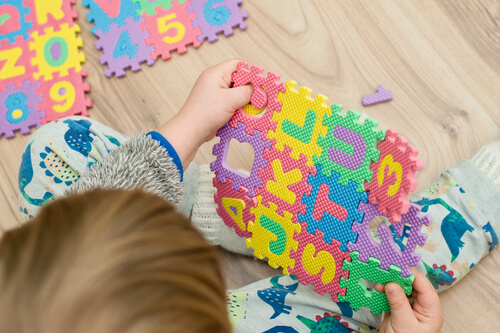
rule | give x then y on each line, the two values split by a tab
440	58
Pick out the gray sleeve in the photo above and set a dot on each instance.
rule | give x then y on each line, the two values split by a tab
138	163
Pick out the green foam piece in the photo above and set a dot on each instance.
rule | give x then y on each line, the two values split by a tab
356	291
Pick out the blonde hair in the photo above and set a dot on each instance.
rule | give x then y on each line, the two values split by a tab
110	261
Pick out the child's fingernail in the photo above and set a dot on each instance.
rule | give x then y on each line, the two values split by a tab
391	288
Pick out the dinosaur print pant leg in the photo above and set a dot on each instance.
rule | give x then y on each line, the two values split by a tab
56	155
465	209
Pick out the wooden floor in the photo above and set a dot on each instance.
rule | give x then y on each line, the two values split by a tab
440	58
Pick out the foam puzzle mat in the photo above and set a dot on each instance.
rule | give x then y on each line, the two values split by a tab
133	32
41	74
319	178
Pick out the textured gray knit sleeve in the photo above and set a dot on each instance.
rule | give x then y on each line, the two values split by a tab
138	163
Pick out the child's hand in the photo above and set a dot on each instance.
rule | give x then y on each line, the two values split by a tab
209	106
424	316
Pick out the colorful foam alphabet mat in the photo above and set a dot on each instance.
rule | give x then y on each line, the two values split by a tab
319	178
132	32
41	75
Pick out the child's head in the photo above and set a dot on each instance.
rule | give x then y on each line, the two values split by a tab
110	261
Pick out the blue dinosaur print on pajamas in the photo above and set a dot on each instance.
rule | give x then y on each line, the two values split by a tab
26	176
453	227
494	238
113	140
281	329
276	295
345	309
437	276
78	136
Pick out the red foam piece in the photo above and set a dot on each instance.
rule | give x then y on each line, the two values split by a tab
394	176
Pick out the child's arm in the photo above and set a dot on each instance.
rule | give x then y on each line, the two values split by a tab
209	106
155	162
425	315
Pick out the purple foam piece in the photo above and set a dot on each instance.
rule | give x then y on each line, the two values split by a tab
226	133
388	251
216	16
19	109
350	161
382	95
107	43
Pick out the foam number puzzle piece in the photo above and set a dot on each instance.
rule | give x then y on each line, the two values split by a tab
382	95
226	133
349	146
124	47
217	16
15	62
51	13
234	206
105	13
14	20
19	109
65	96
394	176
150	7
319	263
357	293
284	181
299	121
171	30
272	235
387	251
332	208
265	96
57	52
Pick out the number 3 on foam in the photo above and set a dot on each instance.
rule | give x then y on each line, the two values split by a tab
394	167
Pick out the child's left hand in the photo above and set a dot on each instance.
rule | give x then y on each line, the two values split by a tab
209	106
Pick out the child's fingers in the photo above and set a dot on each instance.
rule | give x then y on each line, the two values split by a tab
400	307
427	296
239	96
379	287
227	68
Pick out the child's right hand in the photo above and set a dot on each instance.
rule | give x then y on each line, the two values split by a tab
424	316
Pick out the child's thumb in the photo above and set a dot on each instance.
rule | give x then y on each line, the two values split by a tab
400	306
240	96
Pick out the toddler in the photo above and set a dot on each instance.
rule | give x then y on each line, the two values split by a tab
75	156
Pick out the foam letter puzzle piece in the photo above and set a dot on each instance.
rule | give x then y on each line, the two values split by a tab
294	109
15	63
65	96
382	95
53	13
149	7
319	263
234	206
105	13
171	30
272	235
19	109
399	161
124	47
57	52
345	197
14	21
220	150
284	181
266	90
356	291
350	149
387	250
217	16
